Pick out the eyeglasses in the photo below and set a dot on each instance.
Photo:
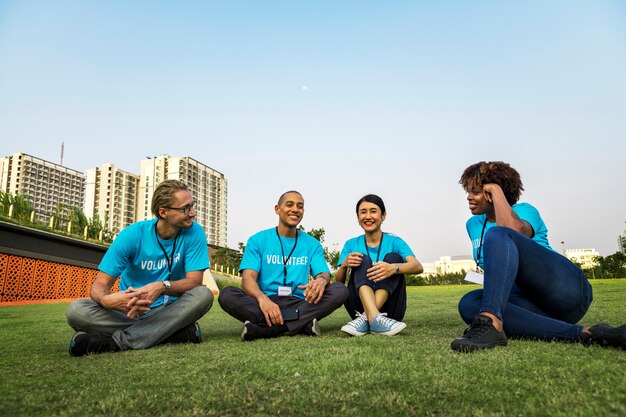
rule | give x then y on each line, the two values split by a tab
185	210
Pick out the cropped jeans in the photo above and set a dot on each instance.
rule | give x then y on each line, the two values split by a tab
535	291
395	285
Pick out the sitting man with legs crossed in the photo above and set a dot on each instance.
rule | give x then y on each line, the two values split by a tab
277	296
160	263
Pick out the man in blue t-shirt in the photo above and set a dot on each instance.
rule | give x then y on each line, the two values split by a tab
277	296
160	263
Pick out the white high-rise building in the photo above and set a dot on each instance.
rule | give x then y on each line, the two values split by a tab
111	194
51	188
208	186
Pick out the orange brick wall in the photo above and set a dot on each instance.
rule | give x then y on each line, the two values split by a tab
32	280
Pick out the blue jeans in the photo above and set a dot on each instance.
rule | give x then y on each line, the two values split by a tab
535	291
145	331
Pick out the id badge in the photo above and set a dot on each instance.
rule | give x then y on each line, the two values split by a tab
475	277
284	291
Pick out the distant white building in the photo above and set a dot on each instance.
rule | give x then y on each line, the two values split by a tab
111	194
583	257
208	186
621	242
51	188
448	265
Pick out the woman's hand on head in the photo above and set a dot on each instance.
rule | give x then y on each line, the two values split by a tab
489	189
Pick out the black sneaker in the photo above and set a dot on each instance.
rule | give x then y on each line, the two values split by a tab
250	331
479	335
312	328
83	343
253	331
605	335
188	334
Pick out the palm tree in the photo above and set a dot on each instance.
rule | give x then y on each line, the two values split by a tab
22	207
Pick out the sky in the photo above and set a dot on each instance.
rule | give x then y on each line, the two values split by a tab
336	99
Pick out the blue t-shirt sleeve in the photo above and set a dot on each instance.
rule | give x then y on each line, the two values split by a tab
197	253
251	255
402	249
121	251
318	262
347	250
527	212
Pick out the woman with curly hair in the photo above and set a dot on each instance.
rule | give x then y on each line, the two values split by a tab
529	290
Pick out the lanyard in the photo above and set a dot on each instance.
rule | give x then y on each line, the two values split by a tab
380	247
170	259
285	261
480	245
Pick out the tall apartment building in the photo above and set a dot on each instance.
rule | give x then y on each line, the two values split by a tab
208	186
46	184
621	242
584	257
111	194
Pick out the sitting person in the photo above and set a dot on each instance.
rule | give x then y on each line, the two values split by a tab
378	261
530	290
160	263
277	296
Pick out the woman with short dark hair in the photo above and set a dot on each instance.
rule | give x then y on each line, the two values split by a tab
530	290
378	262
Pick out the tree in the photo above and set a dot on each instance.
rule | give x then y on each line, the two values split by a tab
226	257
331	256
22	207
5	202
78	219
611	266
58	210
94	226
318	234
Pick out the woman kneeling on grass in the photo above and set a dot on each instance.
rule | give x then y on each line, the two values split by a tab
377	289
530	290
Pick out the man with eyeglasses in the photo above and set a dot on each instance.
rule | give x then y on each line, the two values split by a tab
160	263
277	296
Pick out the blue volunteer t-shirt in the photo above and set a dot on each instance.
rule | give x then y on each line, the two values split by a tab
391	244
263	254
525	211
136	257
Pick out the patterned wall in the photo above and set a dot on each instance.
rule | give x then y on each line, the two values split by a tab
31	280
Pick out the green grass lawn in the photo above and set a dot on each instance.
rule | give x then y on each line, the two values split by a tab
413	373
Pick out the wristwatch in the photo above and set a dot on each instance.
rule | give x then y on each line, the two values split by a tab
397	269
168	285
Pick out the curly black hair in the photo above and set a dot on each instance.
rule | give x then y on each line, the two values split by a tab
494	172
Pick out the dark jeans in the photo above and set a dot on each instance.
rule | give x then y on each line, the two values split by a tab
241	306
535	291
395	306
